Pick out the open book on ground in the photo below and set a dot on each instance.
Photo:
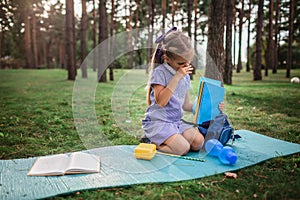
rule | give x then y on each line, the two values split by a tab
210	95
61	164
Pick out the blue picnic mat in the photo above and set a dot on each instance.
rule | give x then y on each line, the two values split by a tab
120	168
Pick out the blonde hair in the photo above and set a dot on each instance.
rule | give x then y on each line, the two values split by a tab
175	44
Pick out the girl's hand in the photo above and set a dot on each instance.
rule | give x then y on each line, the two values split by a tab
186	69
221	106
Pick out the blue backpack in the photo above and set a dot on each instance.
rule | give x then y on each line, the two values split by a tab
219	128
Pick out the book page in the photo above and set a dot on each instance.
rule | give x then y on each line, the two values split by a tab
83	163
49	165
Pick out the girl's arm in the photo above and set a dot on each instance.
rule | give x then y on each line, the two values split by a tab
187	104
163	94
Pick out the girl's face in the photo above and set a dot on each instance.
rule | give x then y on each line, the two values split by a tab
177	62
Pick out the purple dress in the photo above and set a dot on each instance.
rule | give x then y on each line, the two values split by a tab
162	122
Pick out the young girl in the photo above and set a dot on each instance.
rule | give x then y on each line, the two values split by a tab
168	96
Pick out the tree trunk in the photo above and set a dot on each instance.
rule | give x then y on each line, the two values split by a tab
270	49
28	43
112	41
103	33
150	33
137	20
34	41
70	51
241	17
248	37
195	61
276	42
62	59
48	56
195	21
189	17
83	39
130	46
163	9
259	26
174	7
215	51
45	52
290	42
1	39
94	35
189	24
137	34
74	38
227	76
234	34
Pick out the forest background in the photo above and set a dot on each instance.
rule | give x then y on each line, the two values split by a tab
254	45
40	34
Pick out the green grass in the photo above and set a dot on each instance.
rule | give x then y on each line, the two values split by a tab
36	119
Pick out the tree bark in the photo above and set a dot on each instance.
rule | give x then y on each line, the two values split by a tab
103	33
48	56
34	41
241	17
270	49
163	10
62	59
28	42
189	16
227	76
195	60
130	46
1	38
195	21
83	39
74	39
258	56
215	51
70	51
112	41
248	37
94	35
150	33
45	52
276	42
234	34
290	42
174	7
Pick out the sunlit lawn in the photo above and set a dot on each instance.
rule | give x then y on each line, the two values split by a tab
36	119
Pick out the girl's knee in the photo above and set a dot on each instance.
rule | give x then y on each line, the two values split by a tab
197	143
178	144
184	149
196	146
181	148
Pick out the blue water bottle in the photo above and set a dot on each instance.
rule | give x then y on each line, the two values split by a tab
225	154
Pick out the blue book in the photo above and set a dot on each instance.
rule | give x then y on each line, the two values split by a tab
210	95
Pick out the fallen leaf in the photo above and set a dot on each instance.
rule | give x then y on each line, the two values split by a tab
240	108
230	175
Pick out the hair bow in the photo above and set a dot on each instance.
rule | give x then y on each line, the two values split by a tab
162	37
159	52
